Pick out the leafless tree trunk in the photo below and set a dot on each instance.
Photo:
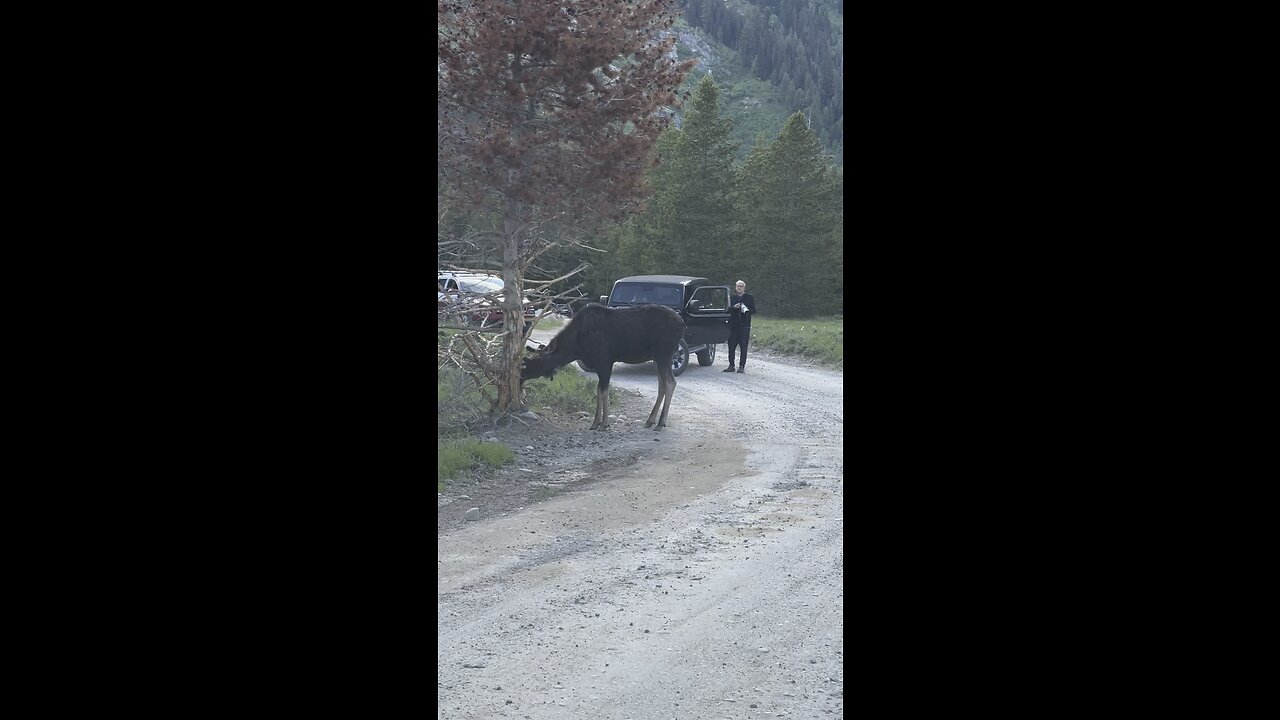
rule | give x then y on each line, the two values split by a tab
512	312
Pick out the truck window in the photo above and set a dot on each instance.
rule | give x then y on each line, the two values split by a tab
644	294
712	298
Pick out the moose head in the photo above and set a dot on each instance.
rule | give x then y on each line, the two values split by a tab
536	366
541	363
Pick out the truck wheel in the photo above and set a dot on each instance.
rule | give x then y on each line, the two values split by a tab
708	356
680	360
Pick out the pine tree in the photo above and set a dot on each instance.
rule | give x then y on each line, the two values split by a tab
749	38
827	77
751	252
690	217
787	204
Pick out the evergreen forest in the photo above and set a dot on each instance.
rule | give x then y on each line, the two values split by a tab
794	48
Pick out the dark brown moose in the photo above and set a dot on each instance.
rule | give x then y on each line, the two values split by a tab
601	336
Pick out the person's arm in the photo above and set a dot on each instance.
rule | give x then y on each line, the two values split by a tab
750	300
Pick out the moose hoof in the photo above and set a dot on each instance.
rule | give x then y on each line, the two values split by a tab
649	424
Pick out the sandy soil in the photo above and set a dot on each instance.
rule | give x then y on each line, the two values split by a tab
694	572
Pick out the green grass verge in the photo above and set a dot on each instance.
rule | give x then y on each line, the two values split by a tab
820	339
461	454
569	391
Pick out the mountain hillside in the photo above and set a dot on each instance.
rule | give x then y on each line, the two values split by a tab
752	103
771	58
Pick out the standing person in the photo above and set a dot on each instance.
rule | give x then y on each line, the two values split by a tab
741	307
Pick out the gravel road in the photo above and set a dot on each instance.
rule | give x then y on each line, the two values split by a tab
701	579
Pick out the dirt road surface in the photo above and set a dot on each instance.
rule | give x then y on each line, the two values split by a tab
692	573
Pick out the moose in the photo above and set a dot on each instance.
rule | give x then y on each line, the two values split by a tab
600	336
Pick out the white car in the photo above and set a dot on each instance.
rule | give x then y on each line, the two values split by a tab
474	288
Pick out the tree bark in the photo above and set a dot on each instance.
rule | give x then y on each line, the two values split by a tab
512	312
509	400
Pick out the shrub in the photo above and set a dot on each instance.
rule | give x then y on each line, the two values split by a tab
457	399
569	391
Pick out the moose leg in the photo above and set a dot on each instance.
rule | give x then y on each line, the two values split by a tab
670	391
595	419
662	390
602	400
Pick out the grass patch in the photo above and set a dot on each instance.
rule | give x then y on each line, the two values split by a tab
568	392
461	454
820	339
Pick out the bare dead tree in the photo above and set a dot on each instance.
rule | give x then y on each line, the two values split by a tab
476	350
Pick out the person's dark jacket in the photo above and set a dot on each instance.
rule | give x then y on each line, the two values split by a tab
737	318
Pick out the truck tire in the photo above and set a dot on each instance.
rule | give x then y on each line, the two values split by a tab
680	360
708	356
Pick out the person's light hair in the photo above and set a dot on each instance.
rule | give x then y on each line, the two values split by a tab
740	282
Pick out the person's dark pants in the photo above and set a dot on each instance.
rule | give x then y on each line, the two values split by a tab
739	336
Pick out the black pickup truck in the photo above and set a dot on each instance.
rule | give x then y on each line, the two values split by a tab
703	306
